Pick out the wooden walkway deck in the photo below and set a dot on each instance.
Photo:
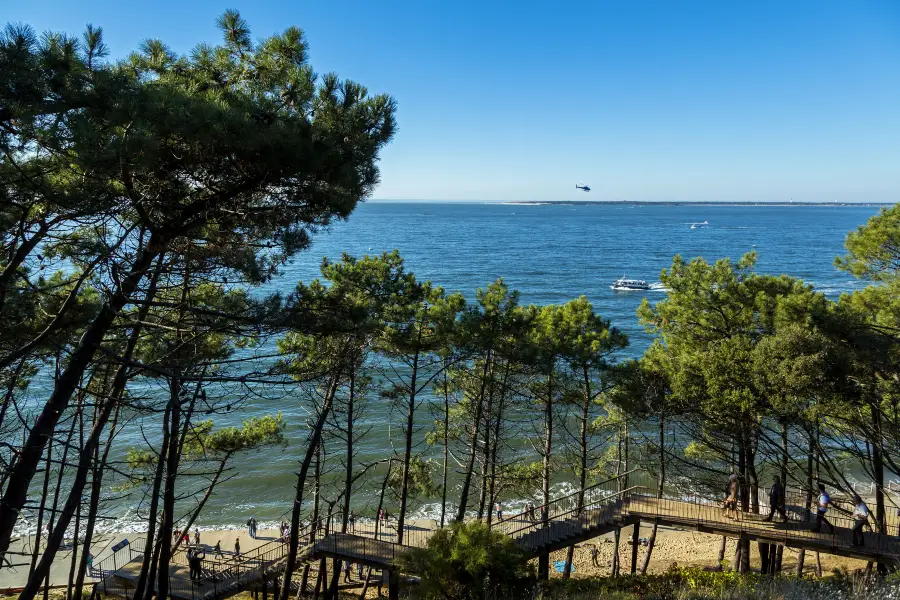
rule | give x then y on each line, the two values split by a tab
605	508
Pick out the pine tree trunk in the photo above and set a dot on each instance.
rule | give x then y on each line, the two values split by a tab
446	462
348	473
407	453
617	535
660	490
40	520
294	546
149	544
721	559
23	471
473	449
98	469
74	563
168	517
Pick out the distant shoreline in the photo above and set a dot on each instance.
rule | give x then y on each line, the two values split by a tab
632	203
698	203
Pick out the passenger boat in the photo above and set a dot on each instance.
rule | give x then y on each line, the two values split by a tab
629	285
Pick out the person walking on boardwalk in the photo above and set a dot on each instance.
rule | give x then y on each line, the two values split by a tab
530	510
776	501
237	547
359	570
218	549
860	518
822	509
346	571
730	505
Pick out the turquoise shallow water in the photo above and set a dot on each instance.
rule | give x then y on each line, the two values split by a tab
550	253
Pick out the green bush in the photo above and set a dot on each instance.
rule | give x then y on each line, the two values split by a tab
463	561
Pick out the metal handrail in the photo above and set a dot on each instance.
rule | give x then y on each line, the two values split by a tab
566	497
546	522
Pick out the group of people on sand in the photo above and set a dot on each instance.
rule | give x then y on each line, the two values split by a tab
860	514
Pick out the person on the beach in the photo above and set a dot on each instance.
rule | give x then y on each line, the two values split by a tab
218	549
237	547
499	511
595	555
860	518
351	521
346	571
776	500
822	509
197	537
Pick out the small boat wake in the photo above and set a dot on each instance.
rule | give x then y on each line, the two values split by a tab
658	287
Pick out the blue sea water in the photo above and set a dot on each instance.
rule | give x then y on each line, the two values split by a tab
555	252
550	253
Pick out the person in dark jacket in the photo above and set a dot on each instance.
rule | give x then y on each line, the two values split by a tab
776	501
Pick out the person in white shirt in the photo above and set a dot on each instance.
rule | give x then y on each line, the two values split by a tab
821	509
860	518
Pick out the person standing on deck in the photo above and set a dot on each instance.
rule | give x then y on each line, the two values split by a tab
731	498
197	563
776	501
237	547
351	521
822	509
860	518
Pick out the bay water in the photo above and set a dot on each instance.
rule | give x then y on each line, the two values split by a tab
551	253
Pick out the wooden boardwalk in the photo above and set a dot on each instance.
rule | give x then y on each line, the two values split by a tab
605	508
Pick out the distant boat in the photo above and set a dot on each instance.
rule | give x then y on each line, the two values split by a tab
629	285
699	225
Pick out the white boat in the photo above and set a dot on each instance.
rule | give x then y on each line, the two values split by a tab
699	225
629	285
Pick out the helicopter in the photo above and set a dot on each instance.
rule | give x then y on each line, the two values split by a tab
586	188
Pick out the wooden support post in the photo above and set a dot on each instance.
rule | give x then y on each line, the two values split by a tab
393	585
635	540
275	588
265	590
544	567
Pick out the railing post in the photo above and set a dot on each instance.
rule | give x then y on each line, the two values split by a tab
636	533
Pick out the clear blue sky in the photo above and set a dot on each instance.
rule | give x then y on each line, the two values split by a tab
675	100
